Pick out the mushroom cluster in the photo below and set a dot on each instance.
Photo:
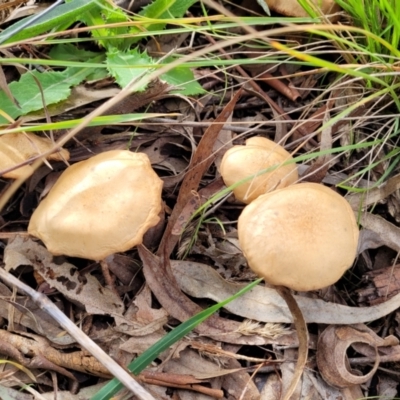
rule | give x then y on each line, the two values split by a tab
99	206
303	236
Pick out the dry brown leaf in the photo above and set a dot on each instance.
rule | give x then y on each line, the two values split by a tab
240	384
190	362
332	359
143	319
272	388
264	304
181	308
179	381
388	233
139	344
64	277
27	314
201	161
374	195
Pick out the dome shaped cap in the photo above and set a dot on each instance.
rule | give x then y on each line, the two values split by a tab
259	153
99	206
303	237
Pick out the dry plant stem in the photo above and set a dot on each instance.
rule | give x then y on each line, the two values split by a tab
112	366
258	90
107	277
11	235
302	333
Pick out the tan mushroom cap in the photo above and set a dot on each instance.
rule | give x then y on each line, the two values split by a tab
99	206
16	148
259	153
292	8
303	237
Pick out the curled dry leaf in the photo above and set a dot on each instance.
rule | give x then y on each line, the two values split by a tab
16	148
388	233
331	353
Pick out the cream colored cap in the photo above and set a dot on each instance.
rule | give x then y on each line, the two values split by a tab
16	148
303	237
259	153
99	206
292	8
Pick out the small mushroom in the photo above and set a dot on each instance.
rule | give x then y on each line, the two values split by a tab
99	206
15	148
259	153
292	8
303	237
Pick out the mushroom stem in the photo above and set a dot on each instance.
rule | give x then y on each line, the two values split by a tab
109	281
302	333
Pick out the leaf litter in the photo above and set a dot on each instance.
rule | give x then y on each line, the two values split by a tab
248	350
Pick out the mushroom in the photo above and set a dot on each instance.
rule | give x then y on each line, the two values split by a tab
99	206
259	153
303	237
292	8
16	148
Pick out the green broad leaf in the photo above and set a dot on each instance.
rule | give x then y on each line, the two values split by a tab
164	9
139	64
141	362
110	38
136	66
183	81
33	87
69	52
8	107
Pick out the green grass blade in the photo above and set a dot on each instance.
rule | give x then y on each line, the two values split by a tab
176	334
65	12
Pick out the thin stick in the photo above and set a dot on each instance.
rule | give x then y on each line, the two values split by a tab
112	366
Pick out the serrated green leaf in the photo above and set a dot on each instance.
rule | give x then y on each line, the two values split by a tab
69	52
183	81
33	87
137	65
